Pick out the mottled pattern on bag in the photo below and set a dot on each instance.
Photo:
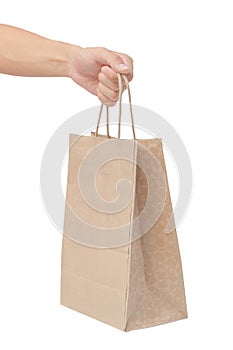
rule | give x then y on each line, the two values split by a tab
129	287
156	290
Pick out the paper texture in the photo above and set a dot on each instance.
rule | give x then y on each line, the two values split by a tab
131	286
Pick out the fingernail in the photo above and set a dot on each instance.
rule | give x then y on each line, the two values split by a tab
104	69
122	66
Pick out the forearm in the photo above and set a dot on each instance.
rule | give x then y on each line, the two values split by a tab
94	68
27	54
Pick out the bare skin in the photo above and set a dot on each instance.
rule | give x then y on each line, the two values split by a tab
23	53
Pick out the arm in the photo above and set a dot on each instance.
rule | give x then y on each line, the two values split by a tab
27	54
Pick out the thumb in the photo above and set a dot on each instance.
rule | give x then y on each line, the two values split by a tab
114	61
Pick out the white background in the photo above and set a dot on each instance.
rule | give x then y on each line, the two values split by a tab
183	70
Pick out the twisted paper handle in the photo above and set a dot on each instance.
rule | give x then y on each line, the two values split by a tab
120	78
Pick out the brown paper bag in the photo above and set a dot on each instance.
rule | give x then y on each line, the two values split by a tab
116	268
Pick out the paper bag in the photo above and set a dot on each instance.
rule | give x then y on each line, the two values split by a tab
120	265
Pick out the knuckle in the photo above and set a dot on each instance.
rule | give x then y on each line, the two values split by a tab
130	77
101	48
115	87
99	95
111	103
130	60
114	96
113	77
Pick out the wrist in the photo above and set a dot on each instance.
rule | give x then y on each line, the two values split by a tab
73	53
61	60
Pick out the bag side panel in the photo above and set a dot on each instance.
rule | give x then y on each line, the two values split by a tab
156	287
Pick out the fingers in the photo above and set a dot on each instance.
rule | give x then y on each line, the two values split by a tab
108	89
119	62
109	86
109	78
105	99
127	61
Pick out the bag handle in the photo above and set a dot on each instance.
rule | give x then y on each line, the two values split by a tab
107	119
120	78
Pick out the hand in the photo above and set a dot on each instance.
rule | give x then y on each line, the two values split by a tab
27	54
95	69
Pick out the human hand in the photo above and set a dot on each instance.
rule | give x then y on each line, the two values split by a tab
96	68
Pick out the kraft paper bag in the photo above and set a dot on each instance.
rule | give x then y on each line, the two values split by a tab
120	262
